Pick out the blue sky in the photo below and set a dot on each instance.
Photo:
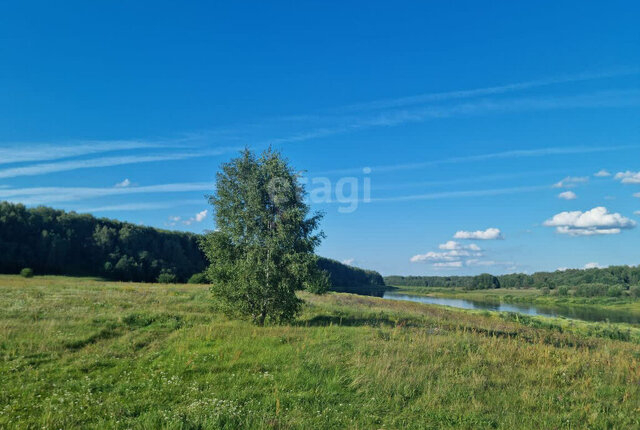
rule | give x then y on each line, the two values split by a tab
483	124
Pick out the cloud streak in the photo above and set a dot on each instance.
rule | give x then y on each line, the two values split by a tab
26	152
62	166
461	194
486	91
520	153
47	195
141	206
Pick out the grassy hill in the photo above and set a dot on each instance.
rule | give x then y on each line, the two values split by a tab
83	353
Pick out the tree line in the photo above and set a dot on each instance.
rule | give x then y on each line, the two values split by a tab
51	241
610	281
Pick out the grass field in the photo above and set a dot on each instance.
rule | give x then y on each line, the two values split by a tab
82	353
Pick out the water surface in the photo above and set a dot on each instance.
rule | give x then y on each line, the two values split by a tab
572	312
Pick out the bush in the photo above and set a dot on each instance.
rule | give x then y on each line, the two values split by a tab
615	291
563	290
26	273
634	291
167	278
592	290
198	278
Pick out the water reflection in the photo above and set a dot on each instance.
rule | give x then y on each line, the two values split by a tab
573	312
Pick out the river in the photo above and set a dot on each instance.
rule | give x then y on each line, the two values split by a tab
572	312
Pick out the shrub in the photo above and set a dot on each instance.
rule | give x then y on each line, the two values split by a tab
26	272
592	290
635	291
545	291
167	278
614	291
198	278
563	290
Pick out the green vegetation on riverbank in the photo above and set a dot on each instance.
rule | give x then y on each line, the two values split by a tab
82	353
531	296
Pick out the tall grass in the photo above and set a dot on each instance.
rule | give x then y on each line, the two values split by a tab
82	353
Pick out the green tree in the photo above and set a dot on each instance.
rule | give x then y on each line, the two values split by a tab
485	281
263	249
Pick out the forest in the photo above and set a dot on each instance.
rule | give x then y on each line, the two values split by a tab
51	241
612	281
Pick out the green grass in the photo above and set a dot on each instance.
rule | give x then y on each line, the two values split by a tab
82	353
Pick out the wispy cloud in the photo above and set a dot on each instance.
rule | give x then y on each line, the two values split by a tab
26	152
124	184
485	91
47	195
61	166
464	179
520	153
571	181
628	177
141	206
567	195
461	194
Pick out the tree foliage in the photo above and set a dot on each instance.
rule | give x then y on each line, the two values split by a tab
612	281
263	249
56	242
51	241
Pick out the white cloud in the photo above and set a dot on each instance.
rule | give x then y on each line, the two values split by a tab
562	269
453	254
637	195
476	262
636	213
592	266
124	184
596	221
488	234
448	264
567	195
199	217
440	256
628	177
602	174
173	221
571	181
349	261
453	245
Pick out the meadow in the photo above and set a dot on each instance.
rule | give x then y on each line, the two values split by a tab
86	353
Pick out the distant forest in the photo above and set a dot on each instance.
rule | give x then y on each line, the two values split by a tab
588	282
51	241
